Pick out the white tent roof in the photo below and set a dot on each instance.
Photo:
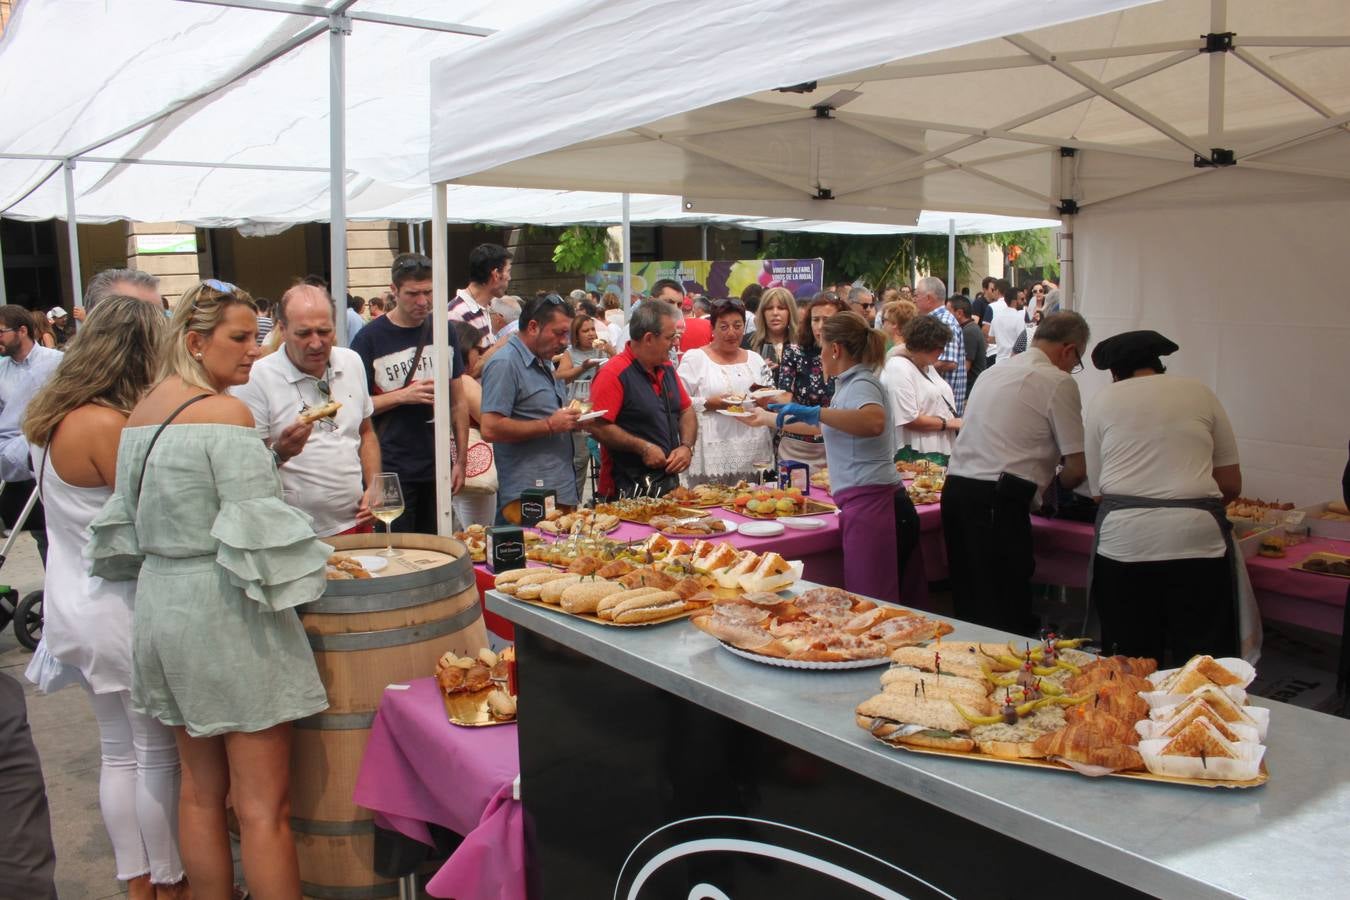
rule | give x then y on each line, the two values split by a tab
176	69
932	105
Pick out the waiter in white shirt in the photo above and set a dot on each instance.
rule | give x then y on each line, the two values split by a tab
324	464
1007	324
1016	429
1161	455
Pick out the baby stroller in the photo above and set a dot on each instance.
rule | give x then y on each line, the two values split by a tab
26	612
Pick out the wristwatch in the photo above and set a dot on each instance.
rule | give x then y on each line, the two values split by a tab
944	423
689	447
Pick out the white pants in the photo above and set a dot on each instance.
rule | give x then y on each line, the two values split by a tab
138	790
474	509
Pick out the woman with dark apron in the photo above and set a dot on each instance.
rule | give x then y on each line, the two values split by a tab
1166	576
878	523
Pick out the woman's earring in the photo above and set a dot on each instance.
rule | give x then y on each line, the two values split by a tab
198	357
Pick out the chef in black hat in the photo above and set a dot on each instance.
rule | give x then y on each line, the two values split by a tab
1166	577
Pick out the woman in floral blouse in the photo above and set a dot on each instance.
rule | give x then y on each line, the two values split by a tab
800	374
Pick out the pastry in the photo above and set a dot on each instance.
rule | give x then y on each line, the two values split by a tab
326	411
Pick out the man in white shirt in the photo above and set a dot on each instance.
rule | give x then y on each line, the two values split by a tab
504	313
25	366
323	464
1007	324
489	277
1017	427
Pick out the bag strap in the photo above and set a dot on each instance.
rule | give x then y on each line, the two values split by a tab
160	430
930	380
422	342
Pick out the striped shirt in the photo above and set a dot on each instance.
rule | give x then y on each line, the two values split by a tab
264	328
463	308
955	352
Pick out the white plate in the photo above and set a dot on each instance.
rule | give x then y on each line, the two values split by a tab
739	415
761	529
805	523
763	392
372	564
593	414
806	664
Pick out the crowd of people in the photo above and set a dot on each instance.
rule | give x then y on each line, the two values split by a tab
185	494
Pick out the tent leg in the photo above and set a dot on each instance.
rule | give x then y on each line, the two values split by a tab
4	297
440	356
72	234
1066	291
951	257
338	28
627	260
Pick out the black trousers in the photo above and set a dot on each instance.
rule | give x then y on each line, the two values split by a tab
419	508
27	860
990	559
1169	610
12	501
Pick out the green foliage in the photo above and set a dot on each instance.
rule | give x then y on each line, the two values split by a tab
580	249
1038	248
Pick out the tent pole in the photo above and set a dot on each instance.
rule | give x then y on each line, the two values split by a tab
440	358
951	257
4	297
72	234
339	27
1064	165
627	260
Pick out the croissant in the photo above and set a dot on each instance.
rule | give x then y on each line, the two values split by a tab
1108	725
1131	665
1120	701
1088	745
1093	677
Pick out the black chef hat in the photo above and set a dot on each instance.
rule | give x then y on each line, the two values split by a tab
1124	353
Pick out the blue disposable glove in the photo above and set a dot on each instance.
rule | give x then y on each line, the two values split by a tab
789	413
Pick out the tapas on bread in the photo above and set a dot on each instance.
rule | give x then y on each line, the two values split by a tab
1053	706
704	496
341	568
478	690
771	502
580	521
821	625
643	509
323	411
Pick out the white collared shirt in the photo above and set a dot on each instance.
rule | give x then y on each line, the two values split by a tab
326	475
1024	415
1006	328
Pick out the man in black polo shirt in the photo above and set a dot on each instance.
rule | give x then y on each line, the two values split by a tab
648	430
398	356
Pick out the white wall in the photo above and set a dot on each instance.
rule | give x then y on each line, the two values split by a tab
1255	292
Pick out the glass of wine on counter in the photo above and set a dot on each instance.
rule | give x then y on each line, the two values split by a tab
388	507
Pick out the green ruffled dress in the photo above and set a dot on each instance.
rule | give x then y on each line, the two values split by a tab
220	563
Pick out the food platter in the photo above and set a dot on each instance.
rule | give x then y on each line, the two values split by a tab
1261	779
1329	558
809	508
671	617
805	663
728	527
470	709
641	510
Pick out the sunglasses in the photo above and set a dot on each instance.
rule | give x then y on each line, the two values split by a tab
412	265
216	284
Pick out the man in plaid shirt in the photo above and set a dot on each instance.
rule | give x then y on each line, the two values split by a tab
930	295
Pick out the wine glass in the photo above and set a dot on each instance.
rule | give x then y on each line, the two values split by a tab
388	507
763	469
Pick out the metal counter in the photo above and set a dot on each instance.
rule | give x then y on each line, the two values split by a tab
1288	838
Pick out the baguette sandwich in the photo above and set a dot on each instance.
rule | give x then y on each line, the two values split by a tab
921	722
951	657
326	411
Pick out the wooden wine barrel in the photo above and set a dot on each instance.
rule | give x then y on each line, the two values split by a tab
366	634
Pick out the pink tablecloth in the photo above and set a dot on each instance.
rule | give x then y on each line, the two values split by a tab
419	769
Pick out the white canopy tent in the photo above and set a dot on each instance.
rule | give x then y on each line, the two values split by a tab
1125	119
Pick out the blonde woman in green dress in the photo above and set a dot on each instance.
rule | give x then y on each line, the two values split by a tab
218	652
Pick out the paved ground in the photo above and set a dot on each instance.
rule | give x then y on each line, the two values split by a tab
67	740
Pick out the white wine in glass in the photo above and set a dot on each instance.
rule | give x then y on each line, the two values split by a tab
388	507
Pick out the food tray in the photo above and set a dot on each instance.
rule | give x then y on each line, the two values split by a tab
1329	557
546	534
812	508
470	710
683	614
687	511
730	529
1056	767
808	664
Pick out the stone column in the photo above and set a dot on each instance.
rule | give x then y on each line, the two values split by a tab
371	248
532	266
180	267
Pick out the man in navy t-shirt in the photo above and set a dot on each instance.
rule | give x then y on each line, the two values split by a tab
402	387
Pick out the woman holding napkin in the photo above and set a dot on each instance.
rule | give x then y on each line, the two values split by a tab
877	521
1161	455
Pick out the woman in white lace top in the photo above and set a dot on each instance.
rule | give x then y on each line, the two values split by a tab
734	441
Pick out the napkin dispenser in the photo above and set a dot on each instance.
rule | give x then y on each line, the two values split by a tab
536	503
505	548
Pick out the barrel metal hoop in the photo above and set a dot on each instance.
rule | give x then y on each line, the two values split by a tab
458	573
395	637
336	721
326	828
329	892
366	603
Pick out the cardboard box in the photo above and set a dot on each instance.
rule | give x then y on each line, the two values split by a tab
536	504
505	548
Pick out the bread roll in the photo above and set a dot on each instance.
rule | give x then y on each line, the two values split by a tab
552	592
605	608
582	598
649	613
